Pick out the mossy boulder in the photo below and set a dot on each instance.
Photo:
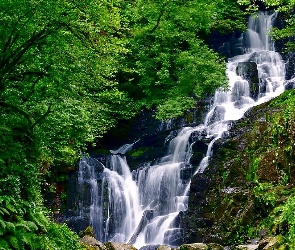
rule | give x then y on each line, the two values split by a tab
274	243
214	246
87	232
90	243
118	246
194	246
164	247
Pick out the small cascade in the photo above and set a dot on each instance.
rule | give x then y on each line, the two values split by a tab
141	208
113	208
163	191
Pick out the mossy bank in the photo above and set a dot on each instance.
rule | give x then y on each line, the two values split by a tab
250	180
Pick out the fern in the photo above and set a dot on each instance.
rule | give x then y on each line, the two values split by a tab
24	226
10	227
40	220
27	225
4	245
4	211
13	241
2	225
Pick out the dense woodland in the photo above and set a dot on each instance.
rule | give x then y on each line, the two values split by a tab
70	70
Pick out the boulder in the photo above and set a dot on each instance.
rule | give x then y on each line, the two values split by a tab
273	243
118	246
150	247
214	246
164	247
194	246
92	243
248	71
240	247
87	232
246	247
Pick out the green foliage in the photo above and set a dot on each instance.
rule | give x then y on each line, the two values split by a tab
138	152
252	172
172	67
57	94
266	193
24	225
284	220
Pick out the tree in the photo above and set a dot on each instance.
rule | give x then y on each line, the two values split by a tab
57	93
173	67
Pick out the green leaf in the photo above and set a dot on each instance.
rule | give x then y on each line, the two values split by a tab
13	241
10	227
4	211
4	245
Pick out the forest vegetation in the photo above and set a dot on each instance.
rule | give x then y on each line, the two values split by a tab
70	70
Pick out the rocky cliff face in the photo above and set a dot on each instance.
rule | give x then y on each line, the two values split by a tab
251	173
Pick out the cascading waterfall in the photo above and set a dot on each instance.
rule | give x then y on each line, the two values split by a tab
232	105
141	207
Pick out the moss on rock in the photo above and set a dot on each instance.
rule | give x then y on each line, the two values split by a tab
194	246
250	175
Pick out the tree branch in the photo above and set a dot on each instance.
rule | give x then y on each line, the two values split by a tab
18	110
42	116
159	18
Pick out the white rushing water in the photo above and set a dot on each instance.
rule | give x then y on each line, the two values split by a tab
140	208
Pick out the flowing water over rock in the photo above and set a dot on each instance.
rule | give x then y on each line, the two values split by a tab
141	207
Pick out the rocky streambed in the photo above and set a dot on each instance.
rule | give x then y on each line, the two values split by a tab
90	243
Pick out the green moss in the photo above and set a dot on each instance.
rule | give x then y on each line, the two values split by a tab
252	172
259	161
138	152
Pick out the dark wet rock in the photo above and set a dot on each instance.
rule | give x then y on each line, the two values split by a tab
173	237
217	115
249	72
150	247
145	219
290	66
228	45
290	84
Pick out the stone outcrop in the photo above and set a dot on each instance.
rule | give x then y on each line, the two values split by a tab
164	247
118	246
91	243
248	71
223	207
194	246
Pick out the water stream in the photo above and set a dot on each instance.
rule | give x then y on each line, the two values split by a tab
141	207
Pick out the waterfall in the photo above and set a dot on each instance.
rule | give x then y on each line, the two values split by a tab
141	207
231	105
